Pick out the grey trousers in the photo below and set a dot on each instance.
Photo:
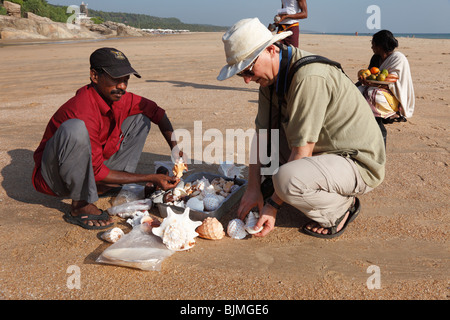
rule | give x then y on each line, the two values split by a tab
322	187
67	159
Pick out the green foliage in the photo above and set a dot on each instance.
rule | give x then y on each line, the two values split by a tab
149	22
97	20
3	11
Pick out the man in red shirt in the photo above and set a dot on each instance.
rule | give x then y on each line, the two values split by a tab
94	141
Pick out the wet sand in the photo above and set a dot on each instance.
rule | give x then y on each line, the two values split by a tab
402	228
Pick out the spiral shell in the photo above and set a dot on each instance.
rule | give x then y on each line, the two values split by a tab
211	229
177	231
236	229
251	221
112	235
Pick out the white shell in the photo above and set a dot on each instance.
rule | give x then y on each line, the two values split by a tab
200	184
236	229
177	231
208	190
211	202
252	219
178	193
195	204
112	235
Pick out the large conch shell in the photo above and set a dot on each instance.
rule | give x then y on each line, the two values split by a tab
112	235
236	229
178	168
251	221
177	231
211	229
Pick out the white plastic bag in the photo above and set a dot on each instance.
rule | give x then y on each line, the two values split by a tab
128	193
137	249
129	209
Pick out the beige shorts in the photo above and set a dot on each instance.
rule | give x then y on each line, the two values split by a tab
322	187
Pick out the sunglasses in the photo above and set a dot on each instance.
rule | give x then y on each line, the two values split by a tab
249	71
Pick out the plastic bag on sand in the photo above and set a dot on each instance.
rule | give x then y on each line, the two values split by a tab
136	249
129	209
129	193
230	170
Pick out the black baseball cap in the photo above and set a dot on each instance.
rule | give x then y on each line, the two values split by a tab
113	62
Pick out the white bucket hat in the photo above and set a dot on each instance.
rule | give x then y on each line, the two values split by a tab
243	43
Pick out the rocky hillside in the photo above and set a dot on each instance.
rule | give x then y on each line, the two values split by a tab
14	27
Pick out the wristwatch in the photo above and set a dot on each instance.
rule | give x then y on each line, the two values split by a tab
273	203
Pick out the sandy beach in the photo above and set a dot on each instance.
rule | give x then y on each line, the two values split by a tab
402	228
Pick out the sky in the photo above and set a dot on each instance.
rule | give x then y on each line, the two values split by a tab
328	16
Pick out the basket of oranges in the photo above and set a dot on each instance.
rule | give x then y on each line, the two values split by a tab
375	76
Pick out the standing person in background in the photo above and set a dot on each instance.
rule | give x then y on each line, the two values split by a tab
292	12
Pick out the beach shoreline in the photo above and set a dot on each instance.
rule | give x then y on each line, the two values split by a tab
402	228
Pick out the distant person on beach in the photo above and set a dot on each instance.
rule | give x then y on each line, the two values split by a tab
394	101
93	142
292	11
330	147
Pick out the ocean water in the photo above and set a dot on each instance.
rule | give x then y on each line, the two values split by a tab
403	35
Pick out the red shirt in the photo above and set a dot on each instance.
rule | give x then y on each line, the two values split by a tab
103	124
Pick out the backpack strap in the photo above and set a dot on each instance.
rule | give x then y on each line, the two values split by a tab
307	60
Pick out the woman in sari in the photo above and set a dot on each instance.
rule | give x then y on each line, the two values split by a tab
394	101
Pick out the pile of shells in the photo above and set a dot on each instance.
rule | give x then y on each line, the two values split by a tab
201	195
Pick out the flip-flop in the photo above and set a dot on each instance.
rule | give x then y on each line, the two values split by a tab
80	220
332	233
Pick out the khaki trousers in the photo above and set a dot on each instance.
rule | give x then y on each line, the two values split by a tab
322	187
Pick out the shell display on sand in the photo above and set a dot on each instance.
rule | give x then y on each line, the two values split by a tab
236	229
251	221
177	231
211	229
112	235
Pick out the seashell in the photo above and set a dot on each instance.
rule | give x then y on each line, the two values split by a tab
211	229
137	217
208	190
179	193
146	223
251	221
224	194
195	204
236	229
179	168
200	184
112	235
211	202
177	231
227	187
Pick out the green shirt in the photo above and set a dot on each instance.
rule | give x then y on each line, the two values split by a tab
323	106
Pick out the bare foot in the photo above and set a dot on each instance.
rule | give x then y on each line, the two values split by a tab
80	208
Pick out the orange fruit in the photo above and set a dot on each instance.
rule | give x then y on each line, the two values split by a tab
374	70
364	73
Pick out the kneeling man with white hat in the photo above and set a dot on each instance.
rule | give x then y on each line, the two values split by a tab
331	149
